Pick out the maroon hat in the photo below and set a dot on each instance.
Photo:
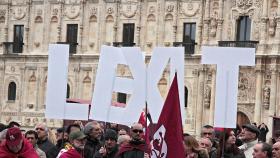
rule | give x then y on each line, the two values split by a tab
13	136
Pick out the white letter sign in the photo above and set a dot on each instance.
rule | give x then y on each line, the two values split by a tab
56	106
143	86
228	61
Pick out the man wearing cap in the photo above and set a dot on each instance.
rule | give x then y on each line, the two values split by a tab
16	146
76	149
110	149
250	135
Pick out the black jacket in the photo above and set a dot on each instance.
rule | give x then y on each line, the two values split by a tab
48	147
110	154
91	147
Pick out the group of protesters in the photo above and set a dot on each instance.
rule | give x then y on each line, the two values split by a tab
76	141
247	141
96	140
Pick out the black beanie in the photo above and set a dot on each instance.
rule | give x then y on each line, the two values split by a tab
111	134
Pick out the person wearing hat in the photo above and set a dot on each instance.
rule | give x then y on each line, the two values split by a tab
110	149
250	135
76	147
16	146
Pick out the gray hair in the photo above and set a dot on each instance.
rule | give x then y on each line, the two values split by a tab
89	127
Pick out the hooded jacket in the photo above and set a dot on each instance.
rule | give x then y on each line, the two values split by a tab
27	151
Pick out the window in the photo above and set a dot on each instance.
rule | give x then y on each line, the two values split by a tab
12	89
128	34
72	35
18	39
189	37
68	91
243	28
189	32
121	98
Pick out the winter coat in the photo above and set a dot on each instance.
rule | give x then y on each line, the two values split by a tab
134	149
70	153
110	154
48	147
91	147
27	151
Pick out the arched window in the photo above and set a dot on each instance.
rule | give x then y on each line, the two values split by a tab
243	28
12	90
186	97
68	91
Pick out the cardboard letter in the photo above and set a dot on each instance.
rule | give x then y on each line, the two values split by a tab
56	106
228	61
106	83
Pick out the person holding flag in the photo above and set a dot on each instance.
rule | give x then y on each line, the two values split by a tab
168	137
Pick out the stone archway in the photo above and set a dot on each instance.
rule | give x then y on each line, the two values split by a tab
242	118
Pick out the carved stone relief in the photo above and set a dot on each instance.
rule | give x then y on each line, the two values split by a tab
213	24
266	97
271	26
72	12
128	10
246	87
207	96
152	9
38	19
93	11
19	12
189	9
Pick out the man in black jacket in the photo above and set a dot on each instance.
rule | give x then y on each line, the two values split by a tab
43	141
110	148
93	144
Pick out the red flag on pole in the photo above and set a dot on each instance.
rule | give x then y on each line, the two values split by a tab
168	139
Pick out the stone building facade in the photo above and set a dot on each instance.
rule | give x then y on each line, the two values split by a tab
28	26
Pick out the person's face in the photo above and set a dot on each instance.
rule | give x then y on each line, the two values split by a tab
231	139
258	153
79	143
31	138
248	135
15	148
96	131
59	135
122	132
205	143
41	131
208	133
110	143
276	150
137	132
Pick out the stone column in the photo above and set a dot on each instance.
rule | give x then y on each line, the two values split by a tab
199	103
273	92
212	101
206	22
220	29
275	48
265	9
81	46
258	102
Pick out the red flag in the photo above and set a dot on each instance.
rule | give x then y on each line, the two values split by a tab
168	139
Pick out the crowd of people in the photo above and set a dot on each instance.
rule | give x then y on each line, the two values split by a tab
96	140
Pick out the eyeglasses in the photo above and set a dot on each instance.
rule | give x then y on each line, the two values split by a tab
137	131
41	129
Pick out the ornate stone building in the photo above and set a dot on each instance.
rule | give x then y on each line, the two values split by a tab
28	26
